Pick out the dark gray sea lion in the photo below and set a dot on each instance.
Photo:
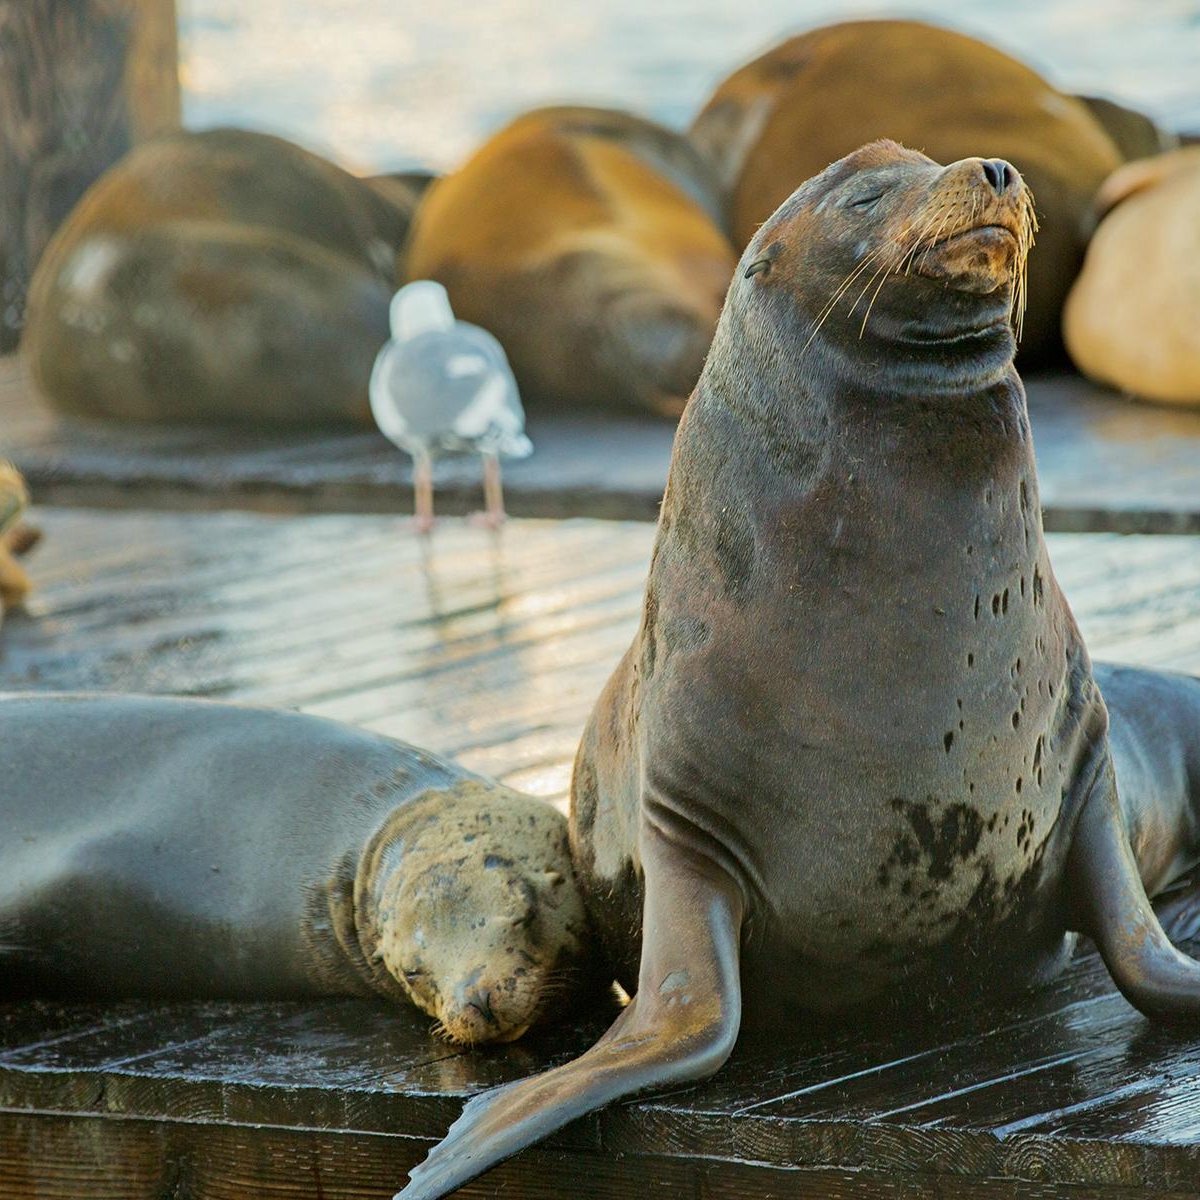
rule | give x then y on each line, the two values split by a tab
159	847
219	276
587	240
857	753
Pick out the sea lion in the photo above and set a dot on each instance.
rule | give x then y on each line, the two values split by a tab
16	538
219	276
587	241
158	847
857	754
815	97
1135	134
1131	320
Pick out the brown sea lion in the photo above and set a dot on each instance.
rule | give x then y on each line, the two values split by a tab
813	98
1135	134
16	538
857	754
218	276
1132	319
157	847
587	241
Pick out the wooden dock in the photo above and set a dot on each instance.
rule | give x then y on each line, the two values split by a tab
1105	463
494	648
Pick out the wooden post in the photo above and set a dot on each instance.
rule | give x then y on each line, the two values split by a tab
81	81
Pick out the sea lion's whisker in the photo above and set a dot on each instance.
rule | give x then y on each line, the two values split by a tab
867	314
840	291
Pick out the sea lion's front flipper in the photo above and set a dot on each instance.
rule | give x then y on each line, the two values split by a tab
680	1026
1112	908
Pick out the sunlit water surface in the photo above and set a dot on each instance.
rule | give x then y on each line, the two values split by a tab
386	84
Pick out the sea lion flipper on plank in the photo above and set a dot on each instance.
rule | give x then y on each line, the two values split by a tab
1138	830
680	1026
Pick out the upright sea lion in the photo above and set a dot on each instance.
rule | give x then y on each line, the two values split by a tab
856	753
15	538
813	98
219	276
159	847
587	241
1132	319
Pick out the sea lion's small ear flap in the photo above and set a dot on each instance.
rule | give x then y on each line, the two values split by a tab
680	1026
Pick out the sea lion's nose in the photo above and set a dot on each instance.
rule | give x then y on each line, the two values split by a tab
999	174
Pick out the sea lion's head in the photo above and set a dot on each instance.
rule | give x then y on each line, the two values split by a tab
481	918
892	269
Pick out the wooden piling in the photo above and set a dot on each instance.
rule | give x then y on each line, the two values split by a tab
81	81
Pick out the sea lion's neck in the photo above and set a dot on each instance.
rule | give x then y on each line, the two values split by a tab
808	414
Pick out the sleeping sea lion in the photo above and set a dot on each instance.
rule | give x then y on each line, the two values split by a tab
813	98
857	754
587	241
219	276
159	847
1135	134
1132	319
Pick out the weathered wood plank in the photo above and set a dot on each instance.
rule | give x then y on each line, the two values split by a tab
493	649
1104	463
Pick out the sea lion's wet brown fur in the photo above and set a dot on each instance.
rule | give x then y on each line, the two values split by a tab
219	276
235	852
857	754
587	241
815	97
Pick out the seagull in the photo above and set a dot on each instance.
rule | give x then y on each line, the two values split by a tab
442	385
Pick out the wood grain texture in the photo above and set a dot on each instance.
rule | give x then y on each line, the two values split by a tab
495	648
1105	464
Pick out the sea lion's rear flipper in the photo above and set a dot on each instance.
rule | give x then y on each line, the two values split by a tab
680	1026
1112	908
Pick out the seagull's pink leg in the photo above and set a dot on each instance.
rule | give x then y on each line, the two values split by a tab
493	515
422	493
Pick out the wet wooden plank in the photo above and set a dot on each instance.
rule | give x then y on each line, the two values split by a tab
490	649
1105	463
497	647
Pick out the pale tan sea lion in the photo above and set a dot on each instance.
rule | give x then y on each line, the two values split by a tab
1132	319
856	759
586	240
814	98
213	850
219	276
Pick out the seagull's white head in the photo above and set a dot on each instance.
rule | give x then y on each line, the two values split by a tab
420	307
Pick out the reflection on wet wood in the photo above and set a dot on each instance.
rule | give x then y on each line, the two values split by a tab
495	649
491	649
1104	464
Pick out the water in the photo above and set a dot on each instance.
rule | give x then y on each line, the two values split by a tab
383	84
